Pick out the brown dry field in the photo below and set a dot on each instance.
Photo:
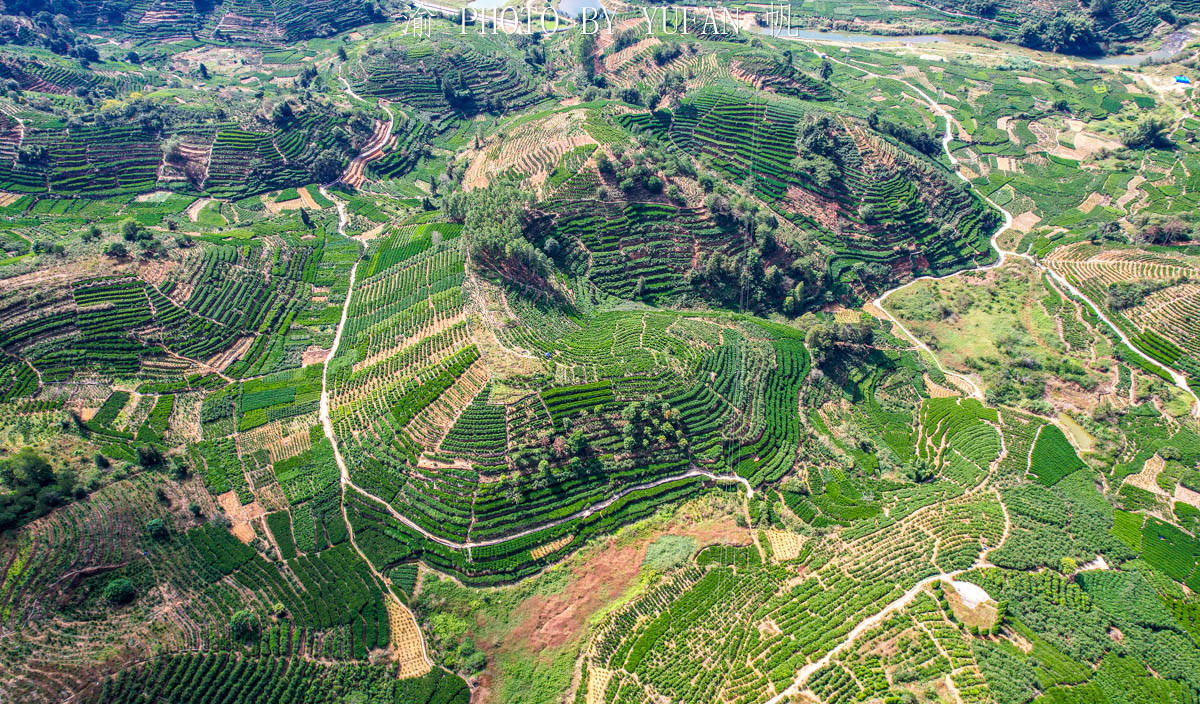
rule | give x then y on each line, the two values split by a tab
599	576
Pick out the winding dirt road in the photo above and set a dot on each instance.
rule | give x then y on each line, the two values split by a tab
866	624
1002	254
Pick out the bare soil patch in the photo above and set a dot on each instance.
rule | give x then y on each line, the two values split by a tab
277	207
554	620
313	355
372	233
307	199
1131	191
938	391
1026	221
406	640
193	210
557	619
1147	478
1092	201
785	545
224	359
217	59
240	516
1087	144
1187	496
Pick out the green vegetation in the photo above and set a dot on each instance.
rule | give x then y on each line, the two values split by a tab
119	591
668	552
1053	457
348	355
32	488
276	680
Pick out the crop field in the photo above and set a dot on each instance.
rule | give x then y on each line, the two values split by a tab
1052	456
1159	322
364	353
802	620
784	545
406	644
1044	144
432	441
547	151
957	435
410	75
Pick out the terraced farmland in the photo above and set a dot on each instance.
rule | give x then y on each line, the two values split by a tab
921	221
361	353
1160	321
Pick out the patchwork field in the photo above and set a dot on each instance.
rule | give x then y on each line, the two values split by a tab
350	353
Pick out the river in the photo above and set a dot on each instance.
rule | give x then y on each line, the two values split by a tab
1172	45
575	8
847	37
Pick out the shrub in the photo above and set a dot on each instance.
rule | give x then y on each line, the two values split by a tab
33	488
149	456
327	167
119	591
1053	456
156	529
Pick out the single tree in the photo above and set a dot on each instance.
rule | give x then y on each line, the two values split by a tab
119	591
327	167
130	229
243	626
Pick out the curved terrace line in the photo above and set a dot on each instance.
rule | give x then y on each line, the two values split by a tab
1177	377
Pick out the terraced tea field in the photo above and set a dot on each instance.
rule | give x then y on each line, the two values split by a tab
350	353
1159	319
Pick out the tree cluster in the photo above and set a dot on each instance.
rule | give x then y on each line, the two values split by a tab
34	488
49	26
818	150
443	613
244	626
495	220
828	342
1127	294
920	139
649	423
1160	230
1066	33
664	53
638	171
764	277
1148	133
119	591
